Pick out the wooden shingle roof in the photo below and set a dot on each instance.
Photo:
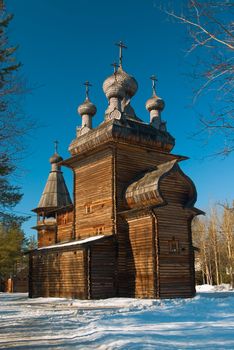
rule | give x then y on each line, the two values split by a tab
146	189
55	194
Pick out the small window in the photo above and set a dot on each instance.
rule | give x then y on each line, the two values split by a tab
99	230
173	246
88	209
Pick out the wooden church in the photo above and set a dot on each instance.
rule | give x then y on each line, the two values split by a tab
127	231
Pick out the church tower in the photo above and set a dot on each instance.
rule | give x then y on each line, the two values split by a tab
133	205
55	207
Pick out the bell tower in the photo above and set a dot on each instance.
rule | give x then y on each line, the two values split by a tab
54	200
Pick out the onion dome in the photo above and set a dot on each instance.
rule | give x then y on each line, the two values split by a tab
112	88
56	158
120	84
155	102
87	107
129	82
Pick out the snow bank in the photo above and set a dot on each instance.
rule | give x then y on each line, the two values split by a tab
207	288
204	322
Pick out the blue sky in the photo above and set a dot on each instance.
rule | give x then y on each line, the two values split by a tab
63	43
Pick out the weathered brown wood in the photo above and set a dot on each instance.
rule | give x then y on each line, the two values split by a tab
146	249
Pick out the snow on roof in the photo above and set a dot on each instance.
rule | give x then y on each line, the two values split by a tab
82	241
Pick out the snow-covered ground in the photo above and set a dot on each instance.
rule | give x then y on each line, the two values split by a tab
204	322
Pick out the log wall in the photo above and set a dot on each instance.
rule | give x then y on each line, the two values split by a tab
169	274
65	227
94	194
58	273
102	270
176	270
65	232
46	237
132	281
74	272
141	261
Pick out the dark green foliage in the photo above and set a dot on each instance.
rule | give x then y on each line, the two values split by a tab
12	244
9	195
13	127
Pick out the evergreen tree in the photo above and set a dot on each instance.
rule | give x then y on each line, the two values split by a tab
12	243
9	195
12	125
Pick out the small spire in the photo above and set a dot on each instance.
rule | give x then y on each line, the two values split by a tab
56	158
115	65
87	85
154	79
121	46
87	109
56	146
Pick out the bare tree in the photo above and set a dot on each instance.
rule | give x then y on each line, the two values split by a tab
228	234
213	235
210	30
204	257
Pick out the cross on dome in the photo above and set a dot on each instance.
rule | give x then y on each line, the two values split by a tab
56	158
154	79
56	146
115	65
121	46
87	85
87	109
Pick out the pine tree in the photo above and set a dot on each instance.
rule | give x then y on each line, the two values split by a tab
12	126
12	242
9	195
